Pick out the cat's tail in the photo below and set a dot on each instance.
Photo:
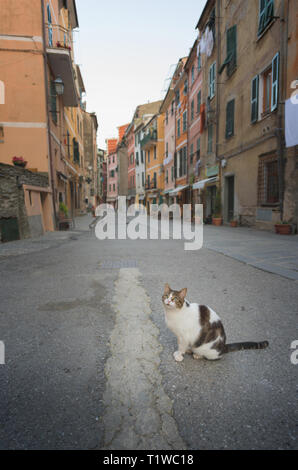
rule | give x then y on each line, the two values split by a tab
241	346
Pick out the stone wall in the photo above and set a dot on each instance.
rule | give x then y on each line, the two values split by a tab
12	200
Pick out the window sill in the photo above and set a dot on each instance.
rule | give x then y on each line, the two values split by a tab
262	34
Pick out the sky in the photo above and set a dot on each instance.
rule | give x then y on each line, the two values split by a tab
126	50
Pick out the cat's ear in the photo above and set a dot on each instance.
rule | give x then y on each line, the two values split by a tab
182	293
167	289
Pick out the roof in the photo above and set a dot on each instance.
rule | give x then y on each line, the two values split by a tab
209	5
111	145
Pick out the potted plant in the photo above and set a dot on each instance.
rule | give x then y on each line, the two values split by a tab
63	211
234	222
217	218
19	161
284	228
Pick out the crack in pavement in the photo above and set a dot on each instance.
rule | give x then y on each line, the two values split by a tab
138	413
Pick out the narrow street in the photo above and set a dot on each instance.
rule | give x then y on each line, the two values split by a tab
89	360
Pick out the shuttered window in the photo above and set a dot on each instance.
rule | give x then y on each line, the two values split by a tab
266	14
255	99
275	79
184	121
230	119
232	49
53	101
192	110
199	101
212	80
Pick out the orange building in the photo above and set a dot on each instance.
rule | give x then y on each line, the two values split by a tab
41	118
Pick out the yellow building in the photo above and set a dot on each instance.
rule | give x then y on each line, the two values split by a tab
152	145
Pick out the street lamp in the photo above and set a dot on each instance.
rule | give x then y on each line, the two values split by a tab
59	86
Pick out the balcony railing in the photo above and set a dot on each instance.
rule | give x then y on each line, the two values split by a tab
58	37
151	185
149	139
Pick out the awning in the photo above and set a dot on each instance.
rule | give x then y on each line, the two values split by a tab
167	191
178	189
61	176
201	184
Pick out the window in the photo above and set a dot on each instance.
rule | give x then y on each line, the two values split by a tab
172	173
137	158
167	176
191	154
68	143
53	97
142	156
131	158
266	14
270	80
198	148
267	82
154	180
185	88
255	99
50	27
199	62
114	187
179	127
143	179
167	117
172	108
184	150
268	188
148	156
210	138
230	119
192	74
76	152
177	94
275	80
199	101
184	121
212	79
155	153
231	58
192	110
167	150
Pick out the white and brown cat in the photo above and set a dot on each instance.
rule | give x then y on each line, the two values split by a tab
198	328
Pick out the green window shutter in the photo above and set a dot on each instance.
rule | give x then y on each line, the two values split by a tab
275	80
199	101
266	13
212	80
232	49
210	138
53	100
192	110
230	119
178	127
255	99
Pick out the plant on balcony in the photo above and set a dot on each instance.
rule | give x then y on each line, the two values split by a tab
64	46
19	161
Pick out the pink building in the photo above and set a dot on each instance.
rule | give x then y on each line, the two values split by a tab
112	172
168	107
193	68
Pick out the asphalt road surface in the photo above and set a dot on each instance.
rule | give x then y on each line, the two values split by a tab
89	361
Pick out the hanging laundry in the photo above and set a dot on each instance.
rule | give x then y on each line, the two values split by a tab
209	41
291	122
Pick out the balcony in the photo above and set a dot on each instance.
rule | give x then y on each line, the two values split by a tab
58	47
149	140
151	185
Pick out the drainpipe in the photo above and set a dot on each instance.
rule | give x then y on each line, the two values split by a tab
46	84
281	107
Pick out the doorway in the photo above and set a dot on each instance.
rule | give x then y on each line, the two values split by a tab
230	198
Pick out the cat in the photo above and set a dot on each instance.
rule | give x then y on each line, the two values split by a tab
198	328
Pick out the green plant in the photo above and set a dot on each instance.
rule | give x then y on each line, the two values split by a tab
217	205
63	208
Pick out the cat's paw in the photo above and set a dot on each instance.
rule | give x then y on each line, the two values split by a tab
197	356
178	356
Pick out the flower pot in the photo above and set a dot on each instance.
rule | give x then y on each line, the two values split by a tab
234	223
21	164
283	229
217	221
